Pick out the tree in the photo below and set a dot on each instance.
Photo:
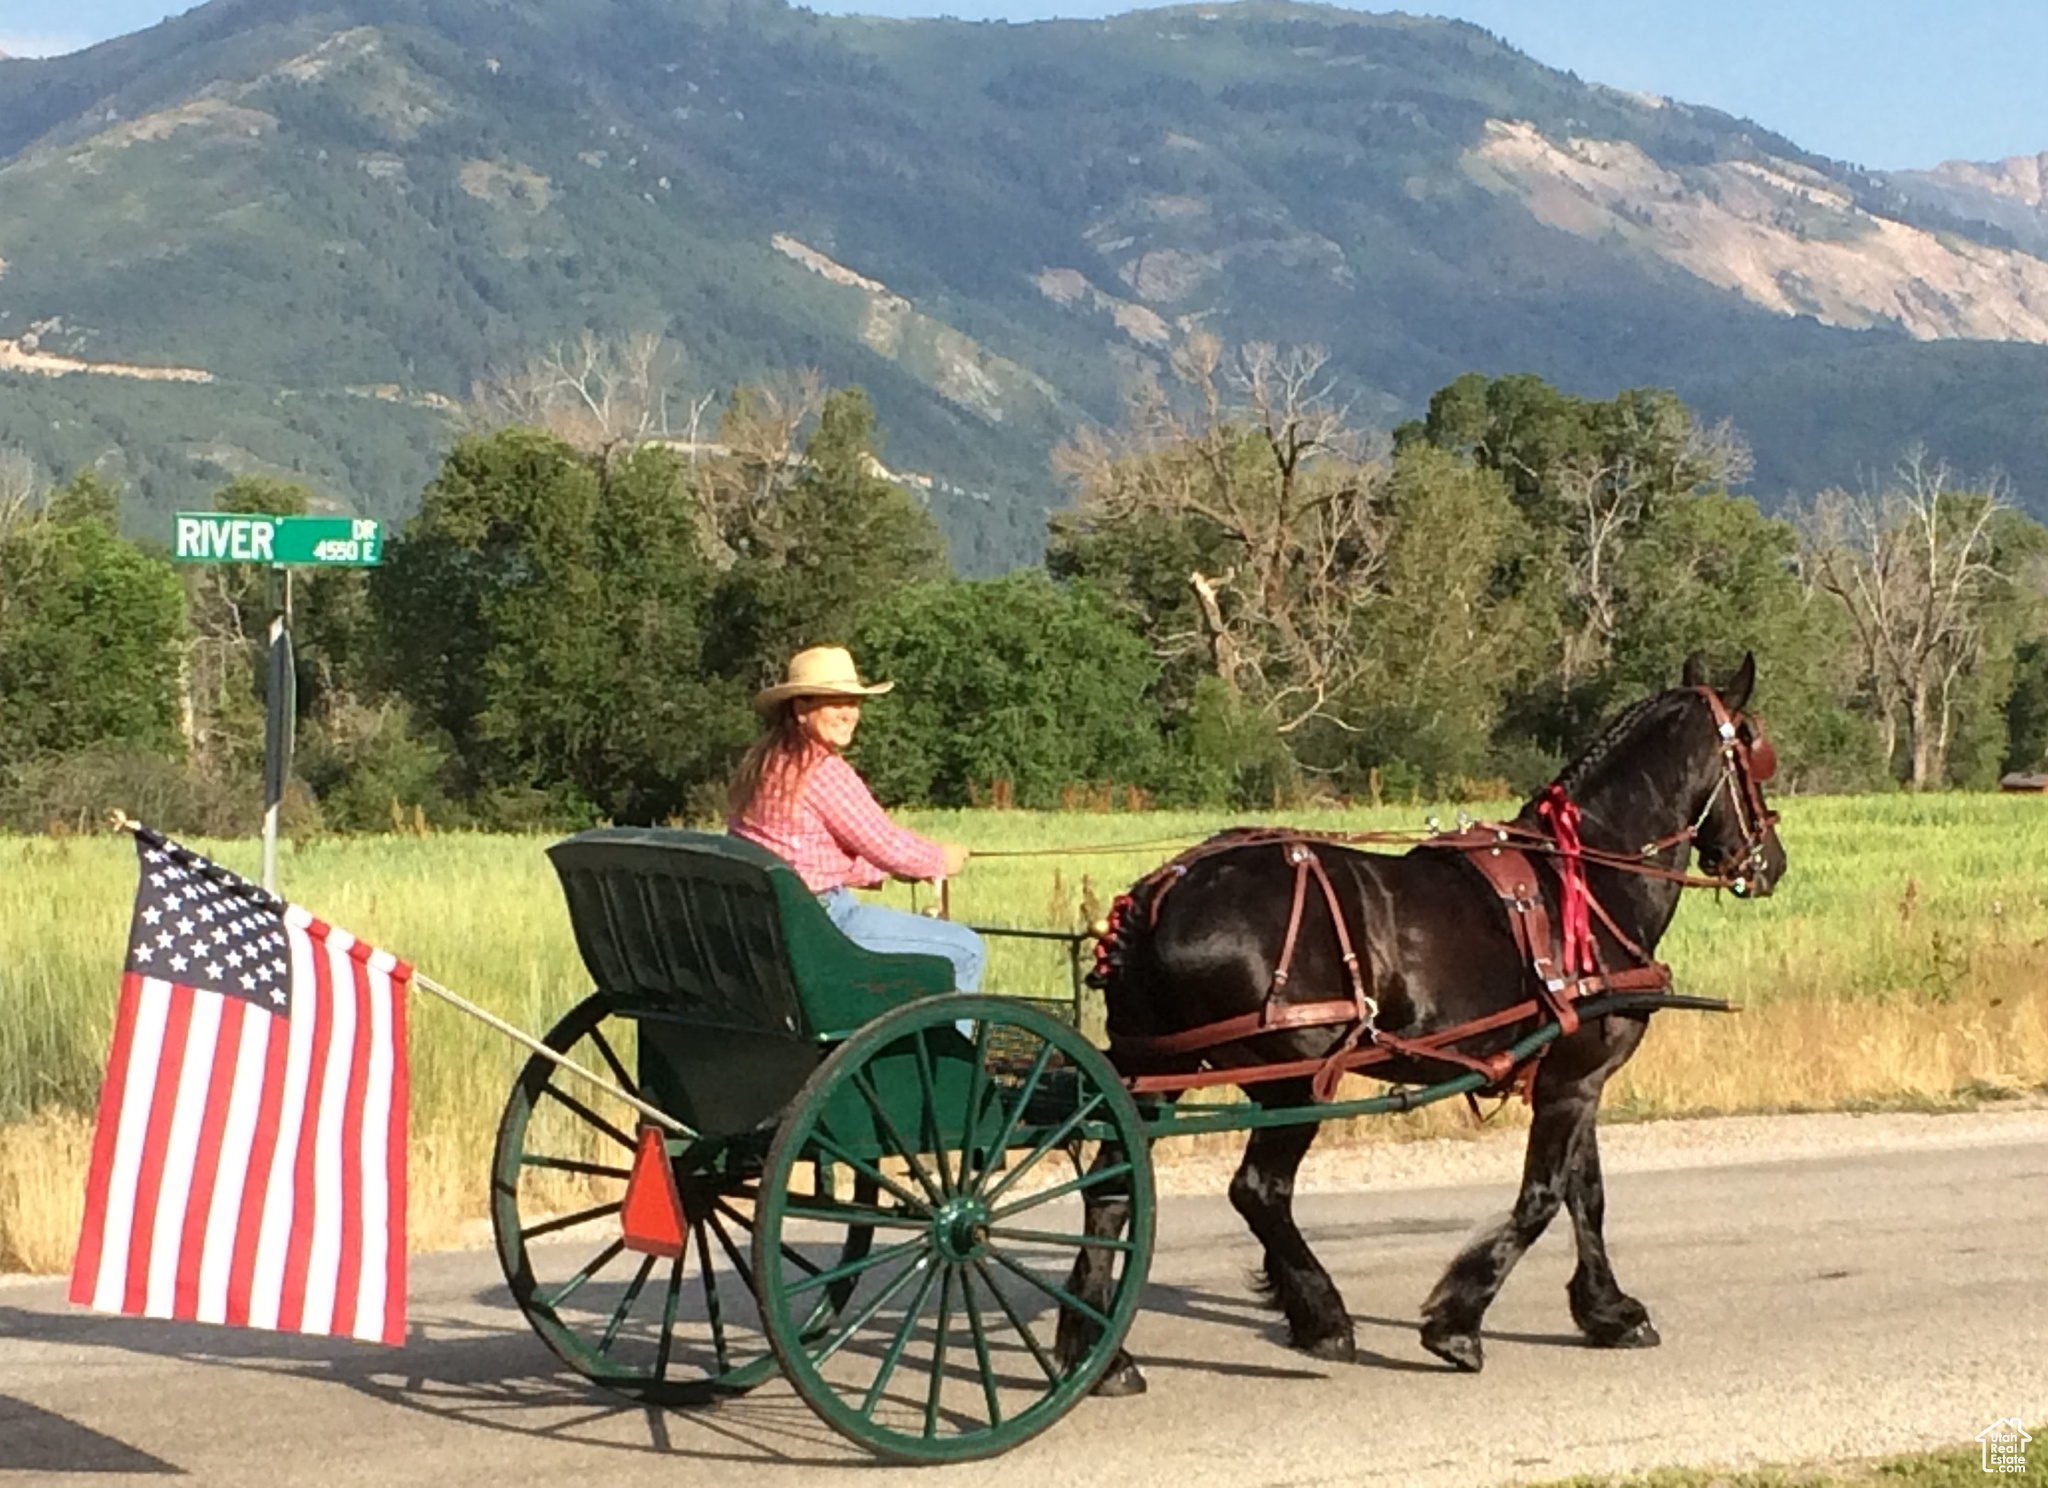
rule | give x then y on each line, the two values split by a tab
605	396
544	612
813	548
1913	568
1015	679
1252	472
90	629
1589	476
1438	634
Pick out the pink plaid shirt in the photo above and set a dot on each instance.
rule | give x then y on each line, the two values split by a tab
833	832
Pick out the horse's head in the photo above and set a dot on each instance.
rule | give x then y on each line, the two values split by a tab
1737	832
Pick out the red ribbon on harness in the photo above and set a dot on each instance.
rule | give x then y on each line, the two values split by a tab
1574	925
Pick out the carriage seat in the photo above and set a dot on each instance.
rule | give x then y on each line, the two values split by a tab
712	929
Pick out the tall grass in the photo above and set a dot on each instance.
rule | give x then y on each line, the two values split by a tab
1905	959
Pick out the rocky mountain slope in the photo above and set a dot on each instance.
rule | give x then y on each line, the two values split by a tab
313	223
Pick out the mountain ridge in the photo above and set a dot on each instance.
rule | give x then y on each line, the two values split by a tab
996	226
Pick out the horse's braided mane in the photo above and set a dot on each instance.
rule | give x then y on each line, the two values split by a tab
1575	775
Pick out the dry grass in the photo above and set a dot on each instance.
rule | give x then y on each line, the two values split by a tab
42	1190
1904	963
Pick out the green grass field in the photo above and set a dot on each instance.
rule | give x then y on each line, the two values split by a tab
1904	961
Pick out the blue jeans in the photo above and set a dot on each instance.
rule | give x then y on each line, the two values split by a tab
895	933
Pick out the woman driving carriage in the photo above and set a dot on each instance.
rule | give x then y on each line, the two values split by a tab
795	794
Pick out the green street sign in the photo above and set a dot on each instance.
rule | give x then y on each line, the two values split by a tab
238	537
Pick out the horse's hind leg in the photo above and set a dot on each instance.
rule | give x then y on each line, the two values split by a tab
1567	1097
1607	1315
1107	1211
1263	1192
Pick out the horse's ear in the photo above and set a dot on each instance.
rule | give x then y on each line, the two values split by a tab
1736	690
1695	673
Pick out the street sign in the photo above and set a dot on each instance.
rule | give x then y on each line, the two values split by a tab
249	537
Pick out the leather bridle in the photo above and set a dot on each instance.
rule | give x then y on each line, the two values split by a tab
1747	761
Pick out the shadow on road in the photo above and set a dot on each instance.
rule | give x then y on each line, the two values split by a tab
455	1369
36	1440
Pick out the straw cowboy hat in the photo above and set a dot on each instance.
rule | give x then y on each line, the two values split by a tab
822	671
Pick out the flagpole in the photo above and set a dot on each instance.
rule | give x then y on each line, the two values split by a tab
122	822
653	1113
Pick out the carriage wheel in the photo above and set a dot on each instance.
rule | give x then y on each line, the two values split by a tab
962	1113
664	1331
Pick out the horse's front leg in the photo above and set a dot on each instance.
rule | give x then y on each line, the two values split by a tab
1107	1212
1607	1315
1566	1098
1263	1193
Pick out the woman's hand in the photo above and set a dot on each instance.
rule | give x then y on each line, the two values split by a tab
956	857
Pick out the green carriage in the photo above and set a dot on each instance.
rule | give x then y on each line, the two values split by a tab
870	1183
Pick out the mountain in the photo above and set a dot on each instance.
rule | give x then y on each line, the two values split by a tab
283	235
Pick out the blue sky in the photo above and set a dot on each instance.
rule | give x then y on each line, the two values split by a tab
1883	83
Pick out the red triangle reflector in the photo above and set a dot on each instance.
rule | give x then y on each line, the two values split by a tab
652	1215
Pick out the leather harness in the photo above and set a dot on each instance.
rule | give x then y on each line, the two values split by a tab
1560	971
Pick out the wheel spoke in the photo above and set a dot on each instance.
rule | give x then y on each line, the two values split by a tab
598	1263
1060	1191
860	1319
618	1317
1059	1294
859	1080
590	1116
938	1385
668	1319
895	1350
572	1165
848	1214
977	1085
565	1221
980	1335
1023	1329
711	1308
626	1081
854	1268
1102	1242
732	1252
928	1118
1045	1145
1016	1112
868	1170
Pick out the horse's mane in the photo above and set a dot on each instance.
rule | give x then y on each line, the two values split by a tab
1575	775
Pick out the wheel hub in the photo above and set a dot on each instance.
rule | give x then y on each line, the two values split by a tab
960	1229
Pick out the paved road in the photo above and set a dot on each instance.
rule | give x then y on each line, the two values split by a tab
1846	1304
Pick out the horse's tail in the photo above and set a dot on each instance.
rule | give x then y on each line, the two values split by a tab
1126	928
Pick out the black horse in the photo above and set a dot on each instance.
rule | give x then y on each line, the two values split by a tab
1674	768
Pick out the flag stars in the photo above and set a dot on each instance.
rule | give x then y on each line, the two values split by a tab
277	995
144	952
151	915
166	939
248	982
179	963
213	971
186	927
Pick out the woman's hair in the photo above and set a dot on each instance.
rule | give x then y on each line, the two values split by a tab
775	761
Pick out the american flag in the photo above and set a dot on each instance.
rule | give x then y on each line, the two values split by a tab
248	1164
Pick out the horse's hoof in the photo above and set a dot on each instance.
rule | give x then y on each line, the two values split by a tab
1122	1378
1463	1351
1639	1336
1338	1348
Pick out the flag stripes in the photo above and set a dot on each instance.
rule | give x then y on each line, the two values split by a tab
248	1165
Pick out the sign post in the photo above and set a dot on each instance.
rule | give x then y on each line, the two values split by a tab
278	543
